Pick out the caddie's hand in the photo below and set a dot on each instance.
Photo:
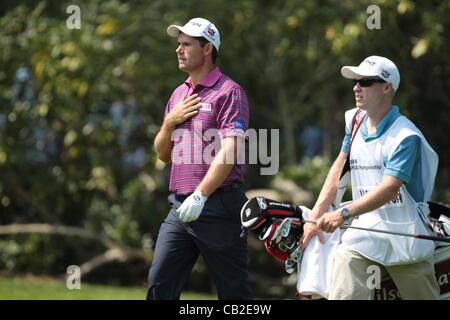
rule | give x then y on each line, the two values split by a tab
192	207
310	230
186	108
330	221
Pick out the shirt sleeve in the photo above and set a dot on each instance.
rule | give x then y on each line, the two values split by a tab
346	142
233	116
168	106
404	158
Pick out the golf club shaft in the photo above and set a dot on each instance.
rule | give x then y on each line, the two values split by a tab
418	236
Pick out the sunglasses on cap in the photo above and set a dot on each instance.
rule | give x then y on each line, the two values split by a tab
367	82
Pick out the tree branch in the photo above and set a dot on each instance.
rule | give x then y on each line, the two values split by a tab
115	254
44	228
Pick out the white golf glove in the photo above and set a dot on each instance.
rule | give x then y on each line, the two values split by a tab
192	206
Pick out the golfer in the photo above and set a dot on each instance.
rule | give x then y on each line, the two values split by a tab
206	196
392	170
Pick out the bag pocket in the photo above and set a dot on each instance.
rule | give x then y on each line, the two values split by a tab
404	249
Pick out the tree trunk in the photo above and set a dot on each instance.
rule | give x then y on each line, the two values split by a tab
288	128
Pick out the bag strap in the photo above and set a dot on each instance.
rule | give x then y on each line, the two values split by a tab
356	123
345	174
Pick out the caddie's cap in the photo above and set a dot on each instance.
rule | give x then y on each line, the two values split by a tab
374	66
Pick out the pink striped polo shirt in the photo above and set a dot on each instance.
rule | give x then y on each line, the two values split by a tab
224	107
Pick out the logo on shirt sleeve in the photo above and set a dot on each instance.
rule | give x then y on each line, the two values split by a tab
238	124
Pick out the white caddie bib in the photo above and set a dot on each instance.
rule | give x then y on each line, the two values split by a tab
402	214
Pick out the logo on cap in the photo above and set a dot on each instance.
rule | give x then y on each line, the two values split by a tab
385	74
370	62
197	24
211	32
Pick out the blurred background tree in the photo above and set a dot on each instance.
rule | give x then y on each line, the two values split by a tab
79	110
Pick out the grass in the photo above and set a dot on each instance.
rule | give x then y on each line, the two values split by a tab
31	288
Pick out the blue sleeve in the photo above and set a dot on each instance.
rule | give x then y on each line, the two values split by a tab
346	142
404	159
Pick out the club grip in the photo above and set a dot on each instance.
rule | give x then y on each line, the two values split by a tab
441	239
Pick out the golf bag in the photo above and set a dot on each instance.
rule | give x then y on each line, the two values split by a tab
279	225
440	218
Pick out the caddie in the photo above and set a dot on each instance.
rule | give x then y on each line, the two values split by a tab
392	169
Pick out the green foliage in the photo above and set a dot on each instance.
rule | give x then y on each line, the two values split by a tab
310	175
21	255
43	254
76	143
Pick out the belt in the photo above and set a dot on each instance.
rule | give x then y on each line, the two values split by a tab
235	185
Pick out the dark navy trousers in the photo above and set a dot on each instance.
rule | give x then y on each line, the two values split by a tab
217	235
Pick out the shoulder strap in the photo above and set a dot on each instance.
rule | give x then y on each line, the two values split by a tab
345	174
356	123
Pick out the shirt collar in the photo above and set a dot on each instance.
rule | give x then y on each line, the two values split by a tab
209	81
383	125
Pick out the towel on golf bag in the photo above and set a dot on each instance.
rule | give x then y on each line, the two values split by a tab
315	269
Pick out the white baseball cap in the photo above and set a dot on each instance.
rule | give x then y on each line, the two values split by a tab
197	27
374	66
